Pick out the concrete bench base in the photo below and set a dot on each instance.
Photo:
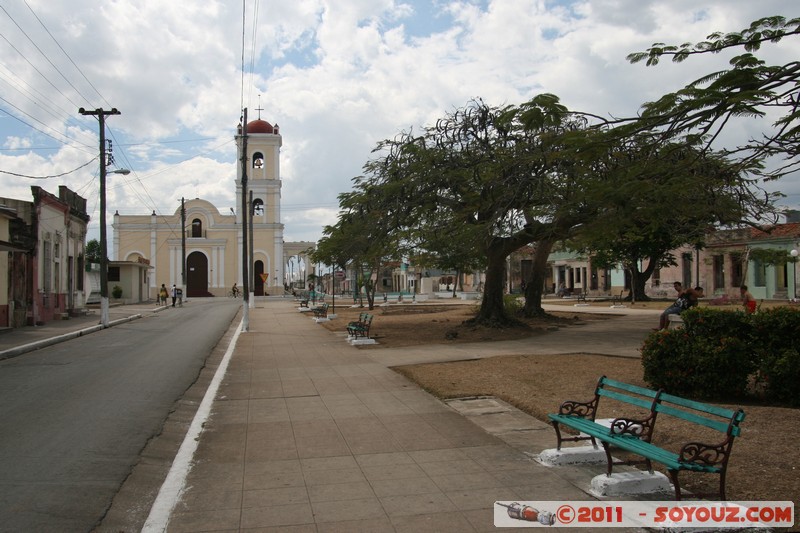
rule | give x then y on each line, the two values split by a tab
361	341
630	483
572	456
675	321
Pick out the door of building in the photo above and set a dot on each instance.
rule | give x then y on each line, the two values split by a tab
258	269
197	275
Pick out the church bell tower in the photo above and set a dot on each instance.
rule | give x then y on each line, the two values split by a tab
264	181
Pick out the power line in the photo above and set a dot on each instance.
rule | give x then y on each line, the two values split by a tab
34	66
40	122
44	103
253	49
34	95
47	177
40	50
244	11
67	56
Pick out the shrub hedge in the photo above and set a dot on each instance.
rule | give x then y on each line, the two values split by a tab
727	355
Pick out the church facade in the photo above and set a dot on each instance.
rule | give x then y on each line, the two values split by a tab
212	240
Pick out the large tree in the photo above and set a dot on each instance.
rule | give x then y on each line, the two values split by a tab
658	198
486	180
361	239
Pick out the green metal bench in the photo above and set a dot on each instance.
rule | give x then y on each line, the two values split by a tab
361	318
321	311
361	327
635	435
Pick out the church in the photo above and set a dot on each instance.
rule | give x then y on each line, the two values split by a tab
212	241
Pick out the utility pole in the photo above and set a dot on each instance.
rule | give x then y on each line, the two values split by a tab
252	262
245	211
183	250
101	117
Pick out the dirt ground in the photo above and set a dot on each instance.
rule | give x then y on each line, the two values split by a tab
764	463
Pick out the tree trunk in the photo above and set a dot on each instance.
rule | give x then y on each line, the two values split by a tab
638	286
639	281
455	283
534	288
492	312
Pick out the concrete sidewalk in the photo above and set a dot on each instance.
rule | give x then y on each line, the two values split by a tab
308	433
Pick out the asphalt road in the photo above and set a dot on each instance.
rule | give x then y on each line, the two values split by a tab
74	417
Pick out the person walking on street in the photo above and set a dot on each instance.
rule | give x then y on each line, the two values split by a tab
174	294
162	294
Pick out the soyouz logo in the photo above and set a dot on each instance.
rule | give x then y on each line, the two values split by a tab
657	514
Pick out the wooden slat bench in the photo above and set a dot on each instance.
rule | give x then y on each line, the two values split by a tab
635	435
321	311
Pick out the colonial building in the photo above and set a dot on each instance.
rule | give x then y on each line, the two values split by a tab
43	257
212	240
765	259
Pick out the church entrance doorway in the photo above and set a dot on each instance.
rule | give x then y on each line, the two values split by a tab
258	269
197	275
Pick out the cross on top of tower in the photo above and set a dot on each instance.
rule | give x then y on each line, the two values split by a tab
259	108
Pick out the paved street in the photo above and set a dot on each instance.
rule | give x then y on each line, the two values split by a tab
76	415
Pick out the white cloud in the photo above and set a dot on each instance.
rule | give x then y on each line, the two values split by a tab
336	76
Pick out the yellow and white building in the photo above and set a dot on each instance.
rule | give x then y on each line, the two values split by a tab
213	240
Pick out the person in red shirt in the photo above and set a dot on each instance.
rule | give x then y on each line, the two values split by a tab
748	302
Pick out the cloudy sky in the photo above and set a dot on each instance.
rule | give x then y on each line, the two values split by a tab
337	76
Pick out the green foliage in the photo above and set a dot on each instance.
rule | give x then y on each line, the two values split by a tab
776	347
750	88
717	353
772	256
768	29
93	251
512	304
116	292
712	323
659	198
696	367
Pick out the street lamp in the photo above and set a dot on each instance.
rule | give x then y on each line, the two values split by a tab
794	253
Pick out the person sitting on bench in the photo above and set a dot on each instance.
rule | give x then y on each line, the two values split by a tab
686	299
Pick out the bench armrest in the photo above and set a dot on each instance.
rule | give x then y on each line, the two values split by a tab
641	428
582	409
706	454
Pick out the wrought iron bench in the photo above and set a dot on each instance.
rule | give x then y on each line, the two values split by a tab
361	327
321	311
635	435
361	318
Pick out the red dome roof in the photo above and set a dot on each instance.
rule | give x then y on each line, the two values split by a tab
259	126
